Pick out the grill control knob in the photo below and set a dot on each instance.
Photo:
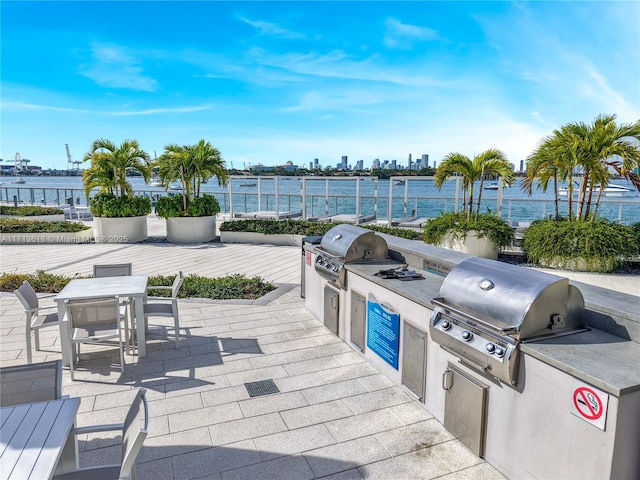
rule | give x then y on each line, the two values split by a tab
500	351
446	325
467	336
490	347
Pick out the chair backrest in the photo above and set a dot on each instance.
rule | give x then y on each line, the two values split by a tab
27	296
136	428
35	382
113	270
88	313
177	283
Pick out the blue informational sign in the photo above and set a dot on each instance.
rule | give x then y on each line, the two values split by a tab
383	332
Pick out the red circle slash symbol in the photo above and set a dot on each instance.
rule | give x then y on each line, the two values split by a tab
587	403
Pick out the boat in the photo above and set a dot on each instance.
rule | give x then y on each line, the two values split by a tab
155	182
19	180
611	190
248	184
398	182
491	186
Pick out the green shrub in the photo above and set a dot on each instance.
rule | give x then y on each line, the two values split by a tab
498	230
29	211
11	225
635	227
106	204
194	286
561	242
304	227
172	206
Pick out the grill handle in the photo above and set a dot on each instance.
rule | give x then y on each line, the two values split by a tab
439	301
447	379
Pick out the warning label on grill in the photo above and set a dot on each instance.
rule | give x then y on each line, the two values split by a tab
589	404
383	332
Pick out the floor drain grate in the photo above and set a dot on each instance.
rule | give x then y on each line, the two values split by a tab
263	387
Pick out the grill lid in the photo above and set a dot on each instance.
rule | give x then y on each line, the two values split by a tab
520	302
352	243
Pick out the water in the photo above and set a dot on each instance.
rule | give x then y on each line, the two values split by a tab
335	195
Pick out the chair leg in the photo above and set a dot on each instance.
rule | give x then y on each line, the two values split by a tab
176	327
72	354
29	353
36	335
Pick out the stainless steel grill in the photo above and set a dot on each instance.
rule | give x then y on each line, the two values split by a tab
485	309
346	243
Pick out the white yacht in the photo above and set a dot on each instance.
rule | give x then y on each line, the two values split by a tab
611	190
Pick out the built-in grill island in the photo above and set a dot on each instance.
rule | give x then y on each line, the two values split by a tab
344	244
537	375
486	309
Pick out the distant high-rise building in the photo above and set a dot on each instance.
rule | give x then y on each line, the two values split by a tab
409	166
393	165
376	163
360	165
310	165
316	164
522	165
344	162
425	159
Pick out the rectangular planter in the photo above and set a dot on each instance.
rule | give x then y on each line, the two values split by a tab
59	217
85	236
261	238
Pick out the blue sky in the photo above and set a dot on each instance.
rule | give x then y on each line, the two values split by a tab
271	82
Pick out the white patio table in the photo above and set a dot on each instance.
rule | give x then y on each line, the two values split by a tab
35	441
86	288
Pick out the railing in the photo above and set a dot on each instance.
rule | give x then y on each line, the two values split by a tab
317	205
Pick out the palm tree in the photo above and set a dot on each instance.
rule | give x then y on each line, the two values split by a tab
489	162
109	165
593	149
192	165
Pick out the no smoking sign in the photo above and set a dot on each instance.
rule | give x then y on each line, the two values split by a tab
589	404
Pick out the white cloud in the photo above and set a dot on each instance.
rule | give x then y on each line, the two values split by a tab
17	106
273	29
112	67
403	36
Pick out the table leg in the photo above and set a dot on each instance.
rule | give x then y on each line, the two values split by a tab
65	345
140	325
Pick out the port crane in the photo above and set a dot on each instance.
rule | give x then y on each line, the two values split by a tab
20	163
71	164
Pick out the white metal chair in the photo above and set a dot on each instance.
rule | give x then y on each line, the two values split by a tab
166	306
36	317
36	382
113	270
133	436
93	321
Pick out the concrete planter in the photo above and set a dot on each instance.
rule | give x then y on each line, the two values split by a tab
472	245
191	229
59	217
120	229
84	236
261	238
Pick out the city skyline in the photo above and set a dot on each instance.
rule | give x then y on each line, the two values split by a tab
272	82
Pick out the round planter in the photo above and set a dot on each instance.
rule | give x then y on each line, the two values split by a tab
191	229
472	245
120	229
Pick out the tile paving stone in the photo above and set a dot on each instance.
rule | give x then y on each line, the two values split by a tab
362	425
313	414
455	455
293	441
277	359
348	372
333	391
293	467
246	428
272	403
349	358
254	375
214	460
352	474
172	405
300	382
224	395
313	365
376	382
344	456
192	386
377	399
204	416
157	469
409	413
417	465
297	344
326	350
167	446
483	471
414	437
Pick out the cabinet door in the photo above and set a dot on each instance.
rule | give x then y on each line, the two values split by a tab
331	308
465	408
414	359
358	319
